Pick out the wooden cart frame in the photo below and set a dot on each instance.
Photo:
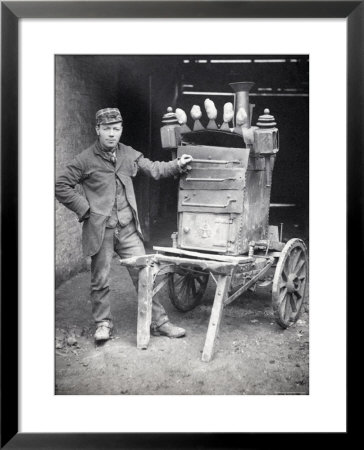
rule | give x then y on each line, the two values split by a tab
232	275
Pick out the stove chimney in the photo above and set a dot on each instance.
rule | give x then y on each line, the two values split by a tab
241	90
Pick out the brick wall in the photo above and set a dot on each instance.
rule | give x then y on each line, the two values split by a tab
83	85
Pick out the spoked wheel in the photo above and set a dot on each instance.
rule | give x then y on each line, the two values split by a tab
289	283
186	288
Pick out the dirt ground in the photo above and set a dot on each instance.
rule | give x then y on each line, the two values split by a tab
253	354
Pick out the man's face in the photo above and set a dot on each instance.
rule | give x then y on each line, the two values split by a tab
109	134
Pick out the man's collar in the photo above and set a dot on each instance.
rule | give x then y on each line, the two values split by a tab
102	152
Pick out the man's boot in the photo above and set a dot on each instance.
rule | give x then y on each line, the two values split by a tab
169	330
103	330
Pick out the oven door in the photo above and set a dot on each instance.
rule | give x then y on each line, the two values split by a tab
209	232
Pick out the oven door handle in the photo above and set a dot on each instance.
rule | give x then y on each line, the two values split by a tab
216	161
210	179
209	205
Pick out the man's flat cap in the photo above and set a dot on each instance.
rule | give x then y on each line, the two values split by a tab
108	115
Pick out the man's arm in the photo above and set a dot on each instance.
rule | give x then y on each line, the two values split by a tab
162	169
65	189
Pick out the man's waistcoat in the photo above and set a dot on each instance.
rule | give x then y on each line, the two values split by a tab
97	176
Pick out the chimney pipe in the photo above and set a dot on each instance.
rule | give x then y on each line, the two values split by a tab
241	90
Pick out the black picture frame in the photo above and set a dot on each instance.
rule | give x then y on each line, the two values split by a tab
11	12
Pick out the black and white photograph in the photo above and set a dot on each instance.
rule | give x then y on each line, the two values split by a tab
181	188
181	224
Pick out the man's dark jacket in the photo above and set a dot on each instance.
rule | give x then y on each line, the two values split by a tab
96	173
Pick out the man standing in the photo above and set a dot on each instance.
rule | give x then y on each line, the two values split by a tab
109	212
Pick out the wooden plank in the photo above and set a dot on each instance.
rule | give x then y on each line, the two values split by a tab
138	261
145	296
214	266
222	288
215	257
250	283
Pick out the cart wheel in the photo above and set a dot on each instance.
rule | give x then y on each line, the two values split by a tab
186	289
289	283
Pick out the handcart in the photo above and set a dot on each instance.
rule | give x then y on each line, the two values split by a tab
223	225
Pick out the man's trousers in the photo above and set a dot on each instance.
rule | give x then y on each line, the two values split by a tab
126	242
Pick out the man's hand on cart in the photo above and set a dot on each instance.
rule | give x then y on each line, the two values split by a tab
183	162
